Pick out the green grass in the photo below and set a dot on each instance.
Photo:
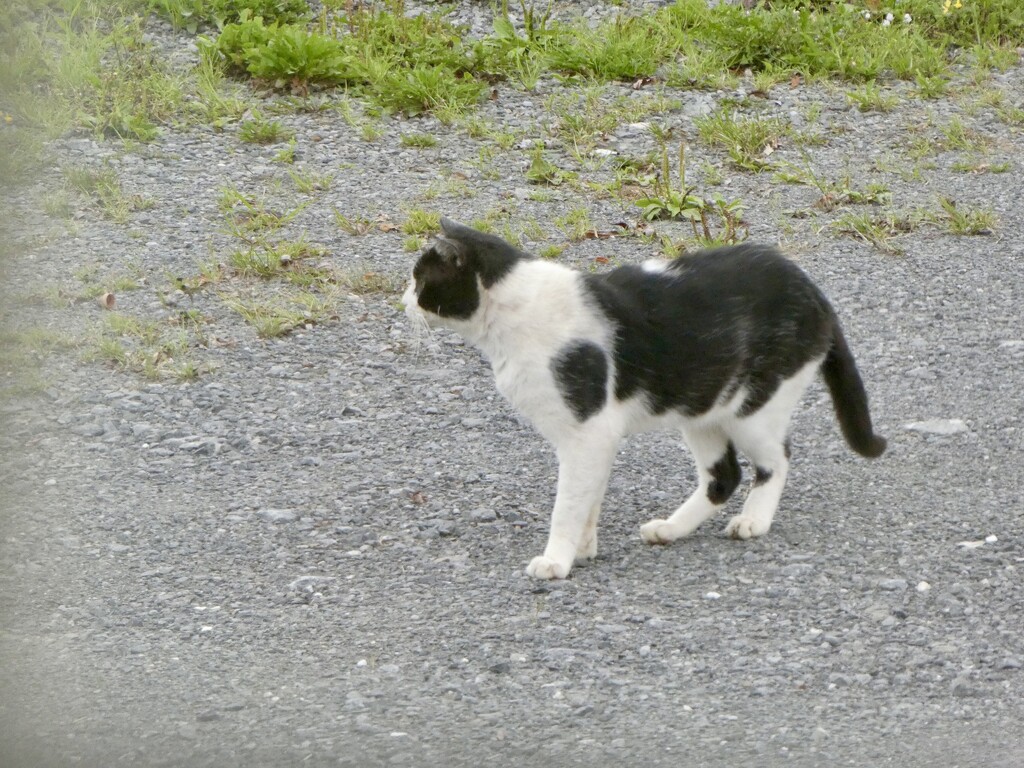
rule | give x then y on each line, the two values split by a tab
87	67
877	230
190	14
582	117
23	352
418	140
966	220
543	171
420	222
287	311
551	251
248	214
747	140
268	260
103	189
714	220
834	194
364	283
358	225
961	138
87	63
259	130
871	98
308	182
151	349
575	223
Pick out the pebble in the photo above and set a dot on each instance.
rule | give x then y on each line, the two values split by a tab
892	585
796	569
89	430
963	688
277	515
938	426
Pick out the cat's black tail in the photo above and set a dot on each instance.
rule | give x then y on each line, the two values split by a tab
849	398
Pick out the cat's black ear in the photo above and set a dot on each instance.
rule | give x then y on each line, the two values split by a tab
452	252
455	230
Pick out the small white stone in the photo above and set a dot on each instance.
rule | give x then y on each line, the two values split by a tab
991	539
712	596
361	663
923	586
938	426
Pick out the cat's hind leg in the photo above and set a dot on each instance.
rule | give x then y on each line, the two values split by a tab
771	466
718	474
761	437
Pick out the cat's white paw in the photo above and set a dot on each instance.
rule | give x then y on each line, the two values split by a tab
745	527
544	568
659	532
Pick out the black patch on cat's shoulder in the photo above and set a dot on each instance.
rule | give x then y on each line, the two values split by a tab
581	374
725	477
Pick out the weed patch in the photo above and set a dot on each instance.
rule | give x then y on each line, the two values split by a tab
965	220
259	130
748	141
420	222
668	202
103	189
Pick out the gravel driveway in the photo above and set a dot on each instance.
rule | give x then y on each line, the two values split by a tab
314	553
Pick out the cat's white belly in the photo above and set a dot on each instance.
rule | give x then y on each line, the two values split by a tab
638	417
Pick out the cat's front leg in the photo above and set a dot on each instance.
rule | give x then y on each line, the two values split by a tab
583	469
587	550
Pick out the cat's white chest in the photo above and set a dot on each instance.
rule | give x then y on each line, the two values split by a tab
526	381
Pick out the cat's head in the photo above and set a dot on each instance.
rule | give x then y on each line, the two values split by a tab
452	276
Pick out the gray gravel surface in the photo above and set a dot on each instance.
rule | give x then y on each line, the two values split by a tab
314	553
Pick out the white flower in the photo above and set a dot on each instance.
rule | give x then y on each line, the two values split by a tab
907	18
867	14
888	17
886	22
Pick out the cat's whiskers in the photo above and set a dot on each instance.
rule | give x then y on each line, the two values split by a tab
420	330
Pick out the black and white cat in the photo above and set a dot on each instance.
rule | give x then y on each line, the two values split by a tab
719	345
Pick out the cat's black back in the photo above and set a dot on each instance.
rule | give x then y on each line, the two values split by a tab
730	317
